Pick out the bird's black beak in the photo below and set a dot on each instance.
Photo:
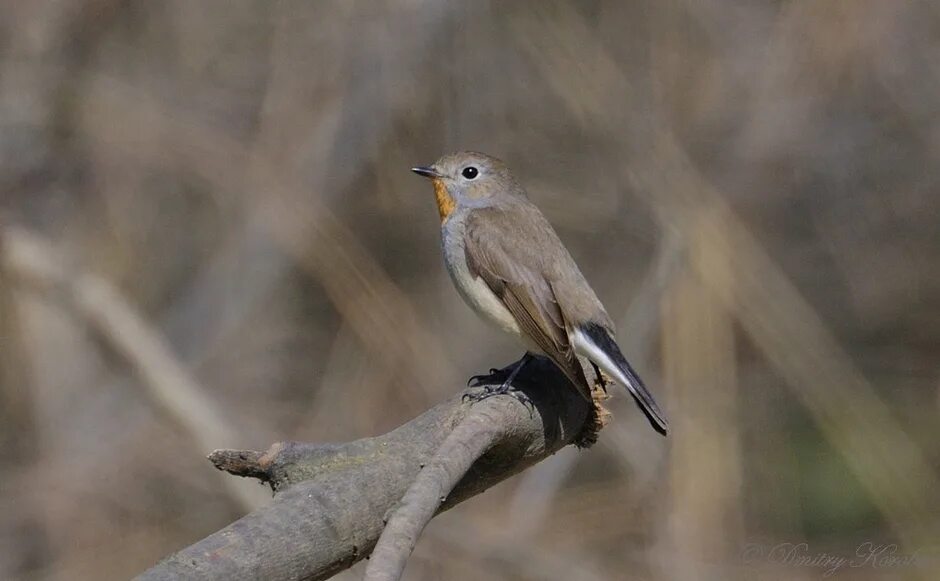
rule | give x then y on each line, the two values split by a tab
426	171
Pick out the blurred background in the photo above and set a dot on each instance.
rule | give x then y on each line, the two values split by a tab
210	238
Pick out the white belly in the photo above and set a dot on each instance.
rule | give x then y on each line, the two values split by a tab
474	290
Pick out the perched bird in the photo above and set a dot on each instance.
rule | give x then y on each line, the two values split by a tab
509	265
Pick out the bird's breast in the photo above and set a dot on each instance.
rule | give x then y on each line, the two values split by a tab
473	290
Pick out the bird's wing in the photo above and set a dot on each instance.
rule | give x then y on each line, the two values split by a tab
517	275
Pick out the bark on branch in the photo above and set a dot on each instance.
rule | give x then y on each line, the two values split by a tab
332	501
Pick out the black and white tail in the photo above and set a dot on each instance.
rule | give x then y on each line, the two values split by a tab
595	342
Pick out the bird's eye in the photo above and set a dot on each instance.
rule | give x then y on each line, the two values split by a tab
470	172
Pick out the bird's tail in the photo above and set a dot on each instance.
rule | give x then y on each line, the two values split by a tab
596	343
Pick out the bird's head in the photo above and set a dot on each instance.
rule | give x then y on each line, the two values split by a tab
469	179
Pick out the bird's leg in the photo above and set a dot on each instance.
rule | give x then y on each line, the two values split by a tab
495	375
601	380
505	387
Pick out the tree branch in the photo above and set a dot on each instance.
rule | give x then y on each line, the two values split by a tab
331	501
472	437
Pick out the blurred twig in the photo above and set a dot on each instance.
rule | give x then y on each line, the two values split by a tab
789	332
16	413
305	229
102	306
699	357
20	447
797	343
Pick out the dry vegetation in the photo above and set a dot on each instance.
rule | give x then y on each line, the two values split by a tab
210	238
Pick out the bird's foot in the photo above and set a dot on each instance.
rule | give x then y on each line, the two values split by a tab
504	388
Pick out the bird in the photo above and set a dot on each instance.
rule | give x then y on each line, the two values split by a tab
509	265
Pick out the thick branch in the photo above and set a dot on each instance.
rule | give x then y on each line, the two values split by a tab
331	501
472	437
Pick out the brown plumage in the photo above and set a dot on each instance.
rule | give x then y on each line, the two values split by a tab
525	280
510	266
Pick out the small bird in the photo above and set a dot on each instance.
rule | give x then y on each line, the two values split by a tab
509	265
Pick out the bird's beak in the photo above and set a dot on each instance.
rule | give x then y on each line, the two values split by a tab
427	171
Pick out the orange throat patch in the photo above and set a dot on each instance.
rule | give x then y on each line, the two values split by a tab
445	203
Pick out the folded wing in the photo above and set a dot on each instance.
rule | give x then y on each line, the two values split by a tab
520	281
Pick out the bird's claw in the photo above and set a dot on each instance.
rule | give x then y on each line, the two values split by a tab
489	391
